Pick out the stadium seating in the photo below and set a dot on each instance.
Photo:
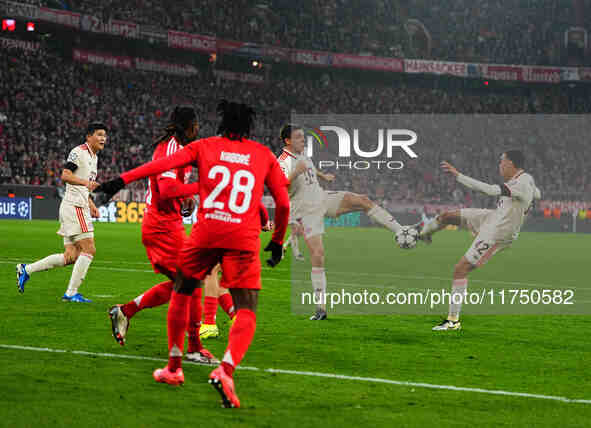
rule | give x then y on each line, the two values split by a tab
45	111
503	32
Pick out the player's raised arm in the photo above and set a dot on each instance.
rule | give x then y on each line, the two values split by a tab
471	183
171	188
181	158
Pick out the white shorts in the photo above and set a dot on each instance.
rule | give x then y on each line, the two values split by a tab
485	244
71	240
332	202
312	224
474	218
75	223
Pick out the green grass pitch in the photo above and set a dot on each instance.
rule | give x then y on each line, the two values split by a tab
537	354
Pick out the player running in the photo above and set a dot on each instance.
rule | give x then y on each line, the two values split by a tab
310	203
75	213
169	197
232	173
495	229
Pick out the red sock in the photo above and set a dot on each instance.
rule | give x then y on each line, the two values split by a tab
178	314
210	307
225	301
194	322
239	339
155	296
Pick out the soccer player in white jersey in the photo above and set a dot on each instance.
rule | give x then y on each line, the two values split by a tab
75	211
494	230
310	203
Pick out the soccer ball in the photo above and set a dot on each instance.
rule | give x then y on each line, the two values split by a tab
407	237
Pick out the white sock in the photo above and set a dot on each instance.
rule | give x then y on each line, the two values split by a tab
458	291
295	247
430	227
383	217
78	273
49	262
318	277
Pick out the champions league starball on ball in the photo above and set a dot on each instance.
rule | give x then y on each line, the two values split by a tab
407	237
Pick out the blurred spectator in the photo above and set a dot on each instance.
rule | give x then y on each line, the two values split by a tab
497	31
49	100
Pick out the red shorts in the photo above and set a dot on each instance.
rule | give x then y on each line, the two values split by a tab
163	249
240	269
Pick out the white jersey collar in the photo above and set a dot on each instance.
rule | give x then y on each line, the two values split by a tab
289	153
89	149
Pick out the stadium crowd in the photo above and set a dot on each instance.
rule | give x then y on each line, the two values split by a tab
501	31
48	100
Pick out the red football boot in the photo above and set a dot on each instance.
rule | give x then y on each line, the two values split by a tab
224	384
166	376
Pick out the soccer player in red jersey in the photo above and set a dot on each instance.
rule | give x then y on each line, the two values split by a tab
232	173
163	233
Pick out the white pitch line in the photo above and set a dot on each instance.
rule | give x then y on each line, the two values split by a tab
316	374
391	275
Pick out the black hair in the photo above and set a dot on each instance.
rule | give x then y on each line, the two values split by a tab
237	120
516	156
93	126
286	131
180	119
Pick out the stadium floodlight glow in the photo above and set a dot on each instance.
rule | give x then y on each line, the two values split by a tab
8	25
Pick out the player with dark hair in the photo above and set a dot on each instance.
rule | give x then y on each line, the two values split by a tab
232	173
295	229
310	203
75	213
494	230
169	197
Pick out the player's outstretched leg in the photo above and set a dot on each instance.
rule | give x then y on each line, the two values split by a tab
441	221
458	293
24	271
120	315
352	202
239	340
